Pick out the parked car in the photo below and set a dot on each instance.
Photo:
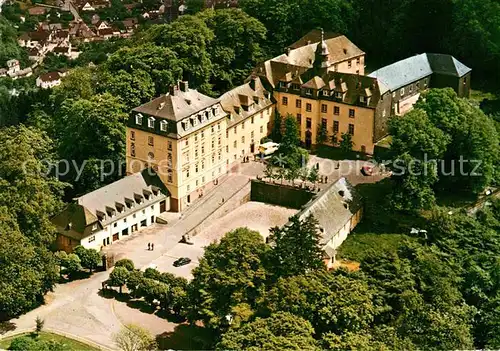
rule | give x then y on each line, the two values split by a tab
182	261
367	170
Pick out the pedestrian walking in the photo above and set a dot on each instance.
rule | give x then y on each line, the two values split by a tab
149	246
152	247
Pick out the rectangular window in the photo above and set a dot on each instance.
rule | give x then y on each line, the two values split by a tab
336	110
358	60
252	134
163	126
324	108
243	139
402	91
151	122
235	129
309	91
132	135
138	119
243	125
308	107
298	103
335	126
284	101
92	238
203	149
351	129
349	64
169	145
324	123
308	123
299	119
351	113
251	120
235	144
151	140
261	129
213	129
132	149
169	177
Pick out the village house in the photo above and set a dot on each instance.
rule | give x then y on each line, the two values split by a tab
250	110
80	31
182	134
338	210
34	54
48	80
110	213
100	25
62	50
92	5
13	66
61	37
36	39
130	24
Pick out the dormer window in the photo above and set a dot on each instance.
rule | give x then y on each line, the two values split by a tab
214	111
146	193
138	119
402	91
295	86
256	99
163	126
151	122
119	207
138	198
362	99
110	211
101	215
309	91
339	95
282	84
129	203
325	93
194	121
94	227
207	115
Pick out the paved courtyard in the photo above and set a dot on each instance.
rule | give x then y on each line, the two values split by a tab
253	215
76	308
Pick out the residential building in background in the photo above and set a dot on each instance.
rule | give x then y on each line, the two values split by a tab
112	212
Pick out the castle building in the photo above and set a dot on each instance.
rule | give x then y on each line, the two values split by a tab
321	81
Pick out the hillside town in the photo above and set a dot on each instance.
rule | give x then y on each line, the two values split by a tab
192	175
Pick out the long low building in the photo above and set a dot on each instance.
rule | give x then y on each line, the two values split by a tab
338	209
108	214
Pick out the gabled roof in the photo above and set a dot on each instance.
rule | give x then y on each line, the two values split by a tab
447	64
177	106
313	36
314	83
77	219
403	72
50	76
411	69
333	208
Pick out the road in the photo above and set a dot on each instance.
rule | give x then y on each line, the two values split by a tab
77	309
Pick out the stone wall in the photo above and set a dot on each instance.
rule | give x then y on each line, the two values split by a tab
281	195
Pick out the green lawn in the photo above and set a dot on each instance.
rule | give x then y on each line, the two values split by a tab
70	344
358	245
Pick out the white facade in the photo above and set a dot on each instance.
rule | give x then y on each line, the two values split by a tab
123	227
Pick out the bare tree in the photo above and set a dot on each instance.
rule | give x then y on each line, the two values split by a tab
134	338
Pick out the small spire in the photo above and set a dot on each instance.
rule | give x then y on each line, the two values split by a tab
322	35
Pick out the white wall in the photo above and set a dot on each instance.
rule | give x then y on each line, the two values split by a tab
121	224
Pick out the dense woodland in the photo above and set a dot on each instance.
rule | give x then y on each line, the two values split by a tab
436	292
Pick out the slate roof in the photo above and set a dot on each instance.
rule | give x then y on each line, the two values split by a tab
245	94
411	69
177	106
301	56
333	208
314	36
83	213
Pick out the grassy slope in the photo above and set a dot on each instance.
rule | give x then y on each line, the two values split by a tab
70	344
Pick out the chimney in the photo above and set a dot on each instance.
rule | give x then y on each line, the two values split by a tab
173	89
308	42
253	82
288	51
184	86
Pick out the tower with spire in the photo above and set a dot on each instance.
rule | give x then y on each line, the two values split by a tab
322	54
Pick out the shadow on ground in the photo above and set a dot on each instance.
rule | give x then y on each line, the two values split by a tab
186	337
